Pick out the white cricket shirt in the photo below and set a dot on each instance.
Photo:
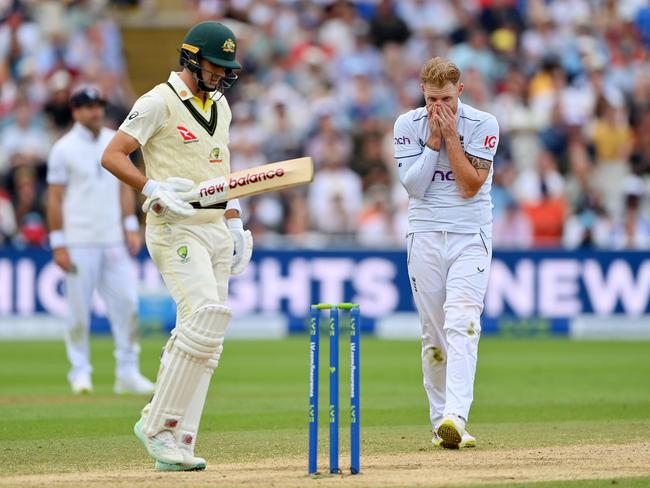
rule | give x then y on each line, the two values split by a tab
92	213
442	207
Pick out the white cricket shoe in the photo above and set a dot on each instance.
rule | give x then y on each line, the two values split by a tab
81	385
161	447
468	440
134	383
190	463
451	431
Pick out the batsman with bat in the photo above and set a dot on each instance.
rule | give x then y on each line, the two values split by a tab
182	127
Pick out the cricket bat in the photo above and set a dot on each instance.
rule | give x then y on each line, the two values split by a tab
260	179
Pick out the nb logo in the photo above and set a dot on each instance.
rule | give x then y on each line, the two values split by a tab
443	175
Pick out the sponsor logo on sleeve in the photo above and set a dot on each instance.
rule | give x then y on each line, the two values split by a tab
187	135
490	142
399	141
133	114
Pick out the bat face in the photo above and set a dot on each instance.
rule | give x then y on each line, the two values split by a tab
260	179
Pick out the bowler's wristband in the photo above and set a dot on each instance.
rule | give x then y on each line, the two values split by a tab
131	223
57	239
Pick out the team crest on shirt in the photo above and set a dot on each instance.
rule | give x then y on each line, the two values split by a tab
215	155
183	252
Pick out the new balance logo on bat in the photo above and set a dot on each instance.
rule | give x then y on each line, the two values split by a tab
249	178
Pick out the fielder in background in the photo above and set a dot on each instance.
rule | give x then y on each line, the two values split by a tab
183	128
90	213
444	153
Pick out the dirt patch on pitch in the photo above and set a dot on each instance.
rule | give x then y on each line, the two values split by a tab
432	468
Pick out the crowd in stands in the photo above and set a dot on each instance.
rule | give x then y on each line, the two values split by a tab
568	80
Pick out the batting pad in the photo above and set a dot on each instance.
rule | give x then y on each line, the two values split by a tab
193	349
189	425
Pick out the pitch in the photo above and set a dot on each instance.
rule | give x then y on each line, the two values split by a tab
574	414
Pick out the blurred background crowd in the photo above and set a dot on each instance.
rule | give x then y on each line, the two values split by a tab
568	80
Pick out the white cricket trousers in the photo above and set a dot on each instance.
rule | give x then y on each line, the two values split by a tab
449	276
194	259
109	270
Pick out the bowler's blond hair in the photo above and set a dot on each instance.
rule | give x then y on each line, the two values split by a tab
439	72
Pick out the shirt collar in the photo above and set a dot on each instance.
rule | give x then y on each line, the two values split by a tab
179	86
83	132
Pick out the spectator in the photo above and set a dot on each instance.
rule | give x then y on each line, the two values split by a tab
476	54
375	219
335	196
613	141
589	228
7	217
23	143
387	27
632	231
547	218
512	229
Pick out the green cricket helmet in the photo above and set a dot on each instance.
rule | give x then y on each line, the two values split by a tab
216	43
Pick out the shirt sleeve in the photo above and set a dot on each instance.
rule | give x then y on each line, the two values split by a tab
415	165
484	139
148	116
57	172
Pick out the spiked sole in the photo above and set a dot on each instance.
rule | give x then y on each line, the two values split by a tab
451	438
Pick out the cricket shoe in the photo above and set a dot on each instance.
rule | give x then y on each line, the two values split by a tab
468	440
451	431
161	447
81	385
190	463
135	384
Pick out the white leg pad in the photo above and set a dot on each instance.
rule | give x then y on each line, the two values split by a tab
186	358
189	426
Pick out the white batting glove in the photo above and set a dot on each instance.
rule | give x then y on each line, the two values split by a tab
167	200
243	241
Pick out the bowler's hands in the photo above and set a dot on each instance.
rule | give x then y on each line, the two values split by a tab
435	136
133	242
62	258
446	120
243	242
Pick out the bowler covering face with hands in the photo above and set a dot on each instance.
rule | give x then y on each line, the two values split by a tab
444	152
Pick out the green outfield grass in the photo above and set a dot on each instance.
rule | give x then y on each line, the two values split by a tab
529	394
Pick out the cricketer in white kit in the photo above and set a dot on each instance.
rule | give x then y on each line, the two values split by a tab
89	213
444	153
182	127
